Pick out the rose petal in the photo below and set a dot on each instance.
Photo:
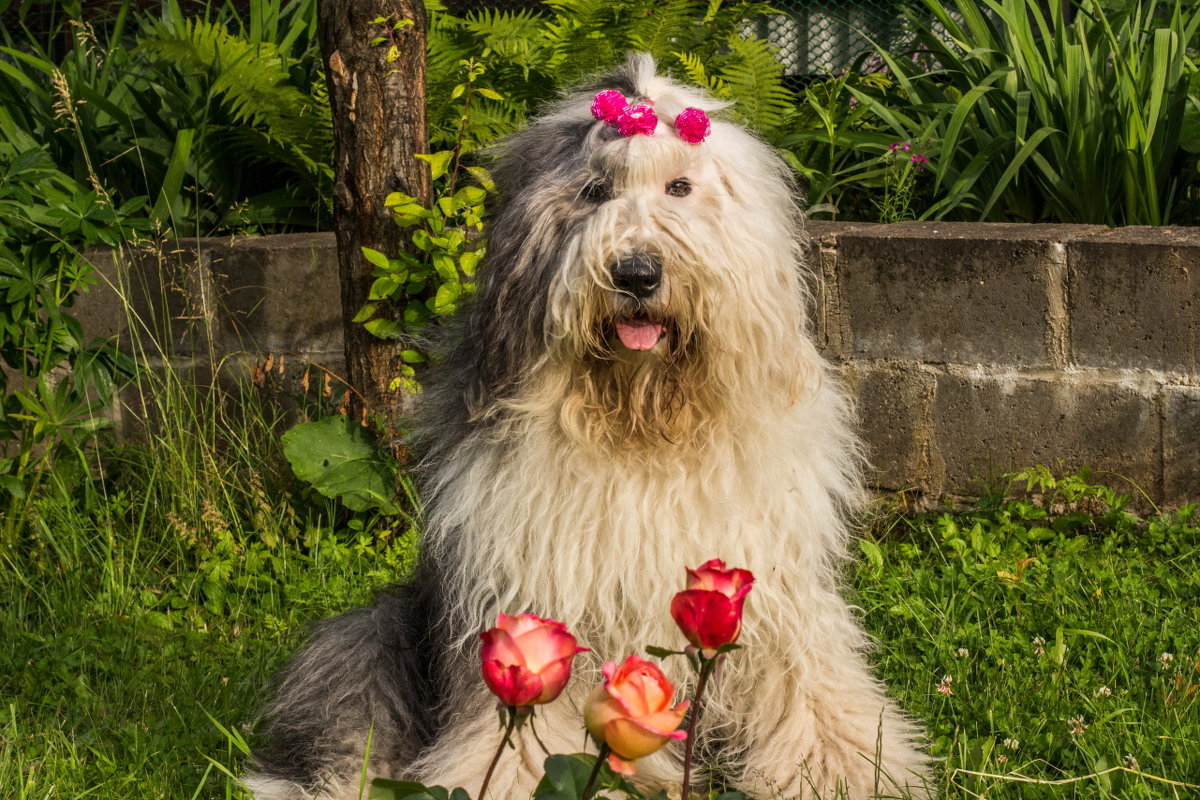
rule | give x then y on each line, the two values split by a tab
514	685
554	678
632	740
707	618
600	709
498	645
544	645
620	765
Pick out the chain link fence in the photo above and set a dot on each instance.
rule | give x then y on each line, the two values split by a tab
817	37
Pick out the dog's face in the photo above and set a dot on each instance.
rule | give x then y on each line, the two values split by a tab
634	283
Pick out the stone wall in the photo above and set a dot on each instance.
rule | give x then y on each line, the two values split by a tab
974	349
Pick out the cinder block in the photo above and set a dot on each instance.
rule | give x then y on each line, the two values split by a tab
1135	299
278	293
951	293
827	311
153	300
986	426
1181	445
894	405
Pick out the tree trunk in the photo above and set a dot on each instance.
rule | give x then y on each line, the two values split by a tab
378	110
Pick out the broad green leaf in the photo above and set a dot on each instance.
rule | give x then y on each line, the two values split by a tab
341	460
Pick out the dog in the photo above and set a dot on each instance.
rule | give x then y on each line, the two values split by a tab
634	390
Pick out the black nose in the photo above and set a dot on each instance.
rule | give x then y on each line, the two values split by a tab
639	275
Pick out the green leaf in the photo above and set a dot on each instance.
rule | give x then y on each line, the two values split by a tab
439	162
365	313
385	287
375	257
340	459
168	193
662	652
468	261
470	196
565	778
412	356
384	328
447	298
872	552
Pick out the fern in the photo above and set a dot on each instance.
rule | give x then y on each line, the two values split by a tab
531	57
755	79
663	25
251	83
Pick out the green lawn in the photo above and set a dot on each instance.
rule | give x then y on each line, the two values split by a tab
140	629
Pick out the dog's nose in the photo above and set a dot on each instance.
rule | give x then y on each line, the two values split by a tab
639	275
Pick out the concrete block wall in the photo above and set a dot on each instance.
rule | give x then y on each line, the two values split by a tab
977	348
973	349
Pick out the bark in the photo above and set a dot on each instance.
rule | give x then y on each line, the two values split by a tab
378	111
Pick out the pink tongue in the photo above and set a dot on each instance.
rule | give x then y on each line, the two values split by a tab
639	334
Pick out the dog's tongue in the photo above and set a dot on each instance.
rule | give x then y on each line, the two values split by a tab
639	334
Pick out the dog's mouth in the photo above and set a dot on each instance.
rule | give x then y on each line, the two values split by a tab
640	332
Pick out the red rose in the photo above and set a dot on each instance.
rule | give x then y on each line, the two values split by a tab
709	611
527	659
693	125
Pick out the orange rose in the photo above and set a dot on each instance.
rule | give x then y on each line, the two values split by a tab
631	712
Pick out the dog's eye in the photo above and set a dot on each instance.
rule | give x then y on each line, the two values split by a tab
597	192
680	187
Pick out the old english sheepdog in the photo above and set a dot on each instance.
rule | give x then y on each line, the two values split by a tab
634	391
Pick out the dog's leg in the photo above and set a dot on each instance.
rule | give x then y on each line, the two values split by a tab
831	734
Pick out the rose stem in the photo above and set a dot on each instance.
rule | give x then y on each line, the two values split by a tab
706	667
536	738
587	787
512	723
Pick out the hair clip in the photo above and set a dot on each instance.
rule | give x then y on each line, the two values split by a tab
692	124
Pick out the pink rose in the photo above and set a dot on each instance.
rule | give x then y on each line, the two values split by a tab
609	105
709	611
527	659
637	119
693	125
631	712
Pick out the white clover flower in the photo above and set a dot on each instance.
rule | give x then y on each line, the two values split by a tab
1104	691
1077	726
1012	744
1165	660
943	686
962	652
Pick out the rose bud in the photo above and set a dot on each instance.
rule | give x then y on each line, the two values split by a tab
733	583
527	659
631	712
709	611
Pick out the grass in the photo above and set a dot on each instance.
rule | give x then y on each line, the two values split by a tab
145	612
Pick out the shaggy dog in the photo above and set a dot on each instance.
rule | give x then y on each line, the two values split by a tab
633	391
